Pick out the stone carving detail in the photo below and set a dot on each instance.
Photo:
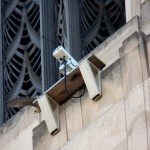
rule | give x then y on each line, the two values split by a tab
21	50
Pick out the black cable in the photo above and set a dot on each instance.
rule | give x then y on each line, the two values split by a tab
56	63
65	76
65	81
80	95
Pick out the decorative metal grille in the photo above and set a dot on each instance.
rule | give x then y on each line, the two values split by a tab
99	19
21	48
61	23
21	39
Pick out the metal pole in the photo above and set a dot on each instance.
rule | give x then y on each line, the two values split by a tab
48	42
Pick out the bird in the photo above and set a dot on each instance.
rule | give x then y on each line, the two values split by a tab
22	102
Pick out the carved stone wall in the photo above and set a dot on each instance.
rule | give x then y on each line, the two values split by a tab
116	121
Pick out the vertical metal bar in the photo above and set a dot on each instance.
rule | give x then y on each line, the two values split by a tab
48	42
73	28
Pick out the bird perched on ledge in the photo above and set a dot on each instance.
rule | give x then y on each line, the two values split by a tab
22	102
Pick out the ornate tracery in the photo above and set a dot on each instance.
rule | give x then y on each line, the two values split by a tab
98	19
21	49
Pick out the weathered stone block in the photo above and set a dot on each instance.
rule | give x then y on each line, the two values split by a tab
132	9
122	146
104	133
43	139
146	84
73	118
145	17
131	70
134	62
135	119
16	134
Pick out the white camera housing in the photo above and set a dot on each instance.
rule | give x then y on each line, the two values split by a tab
71	63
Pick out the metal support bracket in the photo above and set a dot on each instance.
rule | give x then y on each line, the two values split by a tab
50	111
92	77
88	72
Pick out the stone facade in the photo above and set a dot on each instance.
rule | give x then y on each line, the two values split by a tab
119	120
31	30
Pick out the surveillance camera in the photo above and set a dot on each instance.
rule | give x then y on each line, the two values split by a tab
61	54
